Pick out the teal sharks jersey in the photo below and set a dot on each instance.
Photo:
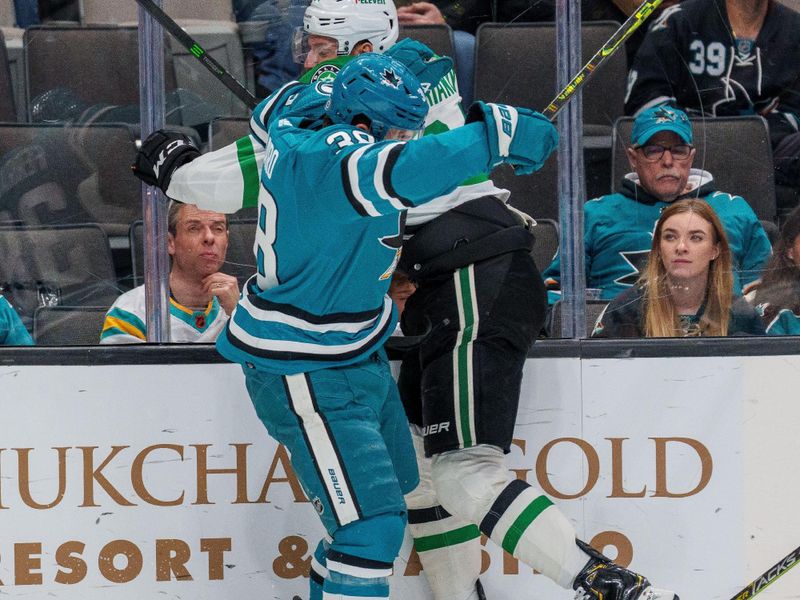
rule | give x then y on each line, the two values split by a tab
329	234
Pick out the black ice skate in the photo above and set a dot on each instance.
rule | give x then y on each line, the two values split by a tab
601	579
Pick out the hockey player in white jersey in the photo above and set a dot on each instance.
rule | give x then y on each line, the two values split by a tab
309	327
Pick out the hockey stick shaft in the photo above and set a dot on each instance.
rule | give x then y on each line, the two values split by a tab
611	46
199	53
769	576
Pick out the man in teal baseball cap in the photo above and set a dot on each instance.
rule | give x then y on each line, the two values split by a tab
661	118
618	227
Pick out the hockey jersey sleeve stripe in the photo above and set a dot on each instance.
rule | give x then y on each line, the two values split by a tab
250	172
118	321
362	205
383	176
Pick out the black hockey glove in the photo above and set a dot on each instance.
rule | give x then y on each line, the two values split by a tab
520	137
161	153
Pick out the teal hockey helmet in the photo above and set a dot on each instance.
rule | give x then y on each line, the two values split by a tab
383	91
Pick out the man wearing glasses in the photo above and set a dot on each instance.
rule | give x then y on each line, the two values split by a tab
619	227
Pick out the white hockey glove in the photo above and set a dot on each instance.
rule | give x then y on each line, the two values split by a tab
520	137
160	155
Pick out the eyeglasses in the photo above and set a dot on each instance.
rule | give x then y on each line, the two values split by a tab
654	152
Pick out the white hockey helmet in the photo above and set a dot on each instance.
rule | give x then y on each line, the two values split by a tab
351	21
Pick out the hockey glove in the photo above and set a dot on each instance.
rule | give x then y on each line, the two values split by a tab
521	137
161	153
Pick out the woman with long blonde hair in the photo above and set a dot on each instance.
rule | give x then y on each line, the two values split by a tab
687	287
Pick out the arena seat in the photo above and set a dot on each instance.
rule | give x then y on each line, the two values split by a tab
96	65
123	11
594	309
212	26
7	18
500	76
239	262
7	110
59	265
546	233
438	38
68	325
88	165
735	150
226	130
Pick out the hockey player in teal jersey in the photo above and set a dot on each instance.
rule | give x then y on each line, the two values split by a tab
618	228
310	325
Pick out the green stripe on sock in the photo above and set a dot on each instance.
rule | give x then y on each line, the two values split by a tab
250	175
449	538
518	527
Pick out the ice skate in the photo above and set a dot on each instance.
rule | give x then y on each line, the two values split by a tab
601	579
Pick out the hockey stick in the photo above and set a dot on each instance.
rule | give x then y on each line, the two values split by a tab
769	576
609	48
197	51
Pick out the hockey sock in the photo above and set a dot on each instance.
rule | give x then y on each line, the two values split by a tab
319	570
448	547
529	527
353	578
450	551
360	558
473	483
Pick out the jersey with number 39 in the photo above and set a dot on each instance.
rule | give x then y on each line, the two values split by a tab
692	59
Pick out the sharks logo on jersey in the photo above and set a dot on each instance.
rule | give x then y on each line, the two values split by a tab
637	260
395	242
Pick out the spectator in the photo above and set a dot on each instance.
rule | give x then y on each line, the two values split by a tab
26	13
727	57
620	10
274	64
12	331
40	183
618	227
201	297
687	288
777	297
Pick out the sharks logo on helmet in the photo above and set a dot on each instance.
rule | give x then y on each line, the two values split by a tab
382	90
